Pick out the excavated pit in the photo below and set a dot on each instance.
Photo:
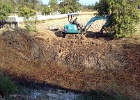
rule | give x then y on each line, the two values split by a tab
70	63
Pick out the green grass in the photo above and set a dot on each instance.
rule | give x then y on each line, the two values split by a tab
6	86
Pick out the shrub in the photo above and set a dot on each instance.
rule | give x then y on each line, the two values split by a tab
124	16
64	10
5	10
29	18
6	86
46	10
31	24
26	12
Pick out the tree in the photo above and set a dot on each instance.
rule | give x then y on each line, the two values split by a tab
124	16
5	10
26	12
102	7
46	10
32	4
88	7
69	6
53	4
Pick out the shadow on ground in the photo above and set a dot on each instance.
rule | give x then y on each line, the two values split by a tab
98	35
58	33
90	34
86	95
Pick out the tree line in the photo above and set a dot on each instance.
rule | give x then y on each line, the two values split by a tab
30	7
27	6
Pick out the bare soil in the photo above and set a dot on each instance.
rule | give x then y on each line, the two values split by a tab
78	64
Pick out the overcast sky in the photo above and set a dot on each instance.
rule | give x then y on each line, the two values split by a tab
84	2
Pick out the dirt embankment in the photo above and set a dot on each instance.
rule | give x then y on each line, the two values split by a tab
71	63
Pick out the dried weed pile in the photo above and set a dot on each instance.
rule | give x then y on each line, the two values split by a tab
71	63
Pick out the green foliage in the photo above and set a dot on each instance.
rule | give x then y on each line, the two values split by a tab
46	10
53	4
124	16
31	24
29	18
87	8
102	7
5	10
90	7
26	12
64	10
6	86
69	6
33	4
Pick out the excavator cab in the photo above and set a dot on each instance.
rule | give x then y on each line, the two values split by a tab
72	26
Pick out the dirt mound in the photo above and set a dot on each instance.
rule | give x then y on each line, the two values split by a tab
70	63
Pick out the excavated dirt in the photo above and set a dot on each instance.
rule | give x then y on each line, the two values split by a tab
79	64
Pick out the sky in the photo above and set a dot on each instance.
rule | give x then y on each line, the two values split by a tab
84	2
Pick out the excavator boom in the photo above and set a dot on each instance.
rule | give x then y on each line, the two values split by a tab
93	19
